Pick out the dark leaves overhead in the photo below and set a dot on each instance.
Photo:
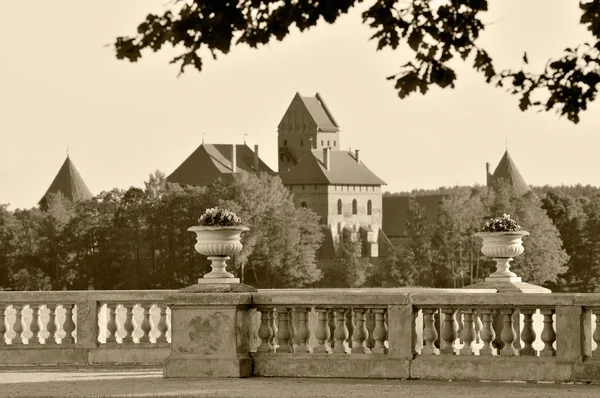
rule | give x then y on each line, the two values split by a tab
435	32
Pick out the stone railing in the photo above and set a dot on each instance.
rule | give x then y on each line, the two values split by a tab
386	333
84	327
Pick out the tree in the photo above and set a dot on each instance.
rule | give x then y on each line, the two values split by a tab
592	244
436	33
419	252
568	215
460	216
279	249
544	258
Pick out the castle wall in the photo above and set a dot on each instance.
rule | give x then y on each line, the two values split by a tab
323	200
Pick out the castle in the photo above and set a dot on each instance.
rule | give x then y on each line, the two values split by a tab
333	183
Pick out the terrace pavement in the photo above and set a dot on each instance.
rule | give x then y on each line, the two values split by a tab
148	382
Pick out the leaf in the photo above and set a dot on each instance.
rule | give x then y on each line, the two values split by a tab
414	39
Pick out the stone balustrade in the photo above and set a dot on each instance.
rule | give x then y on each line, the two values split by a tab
84	327
387	333
357	333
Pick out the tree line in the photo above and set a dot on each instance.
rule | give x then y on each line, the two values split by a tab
138	239
562	252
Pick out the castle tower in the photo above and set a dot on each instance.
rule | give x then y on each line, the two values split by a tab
306	125
69	183
507	170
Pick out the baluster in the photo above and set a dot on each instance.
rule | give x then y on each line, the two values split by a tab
596	335
18	326
2	324
284	333
430	335
128	324
145	324
449	334
273	320
478	326
264	331
111	325
293	330
548	333
350	326
322	333
359	345
370	323
467	334
34	326
379	332
51	325
341	331
487	332
303	330
68	325
528	335
162	325
508	334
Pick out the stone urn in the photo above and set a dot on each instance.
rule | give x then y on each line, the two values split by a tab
218	243
502	247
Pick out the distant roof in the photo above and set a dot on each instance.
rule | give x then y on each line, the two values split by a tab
320	113
343	169
211	161
395	212
508	171
69	183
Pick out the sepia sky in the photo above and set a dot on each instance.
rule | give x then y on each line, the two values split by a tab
61	87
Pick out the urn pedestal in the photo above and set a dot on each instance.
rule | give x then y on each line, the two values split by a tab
502	247
218	243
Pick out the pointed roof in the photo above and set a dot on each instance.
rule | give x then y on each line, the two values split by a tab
508	171
318	111
343	169
211	161
69	183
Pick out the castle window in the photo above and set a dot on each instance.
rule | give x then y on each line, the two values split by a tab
303	187
339	228
339	206
304	205
328	143
321	142
369	208
315	187
301	143
354	207
334	144
284	142
353	187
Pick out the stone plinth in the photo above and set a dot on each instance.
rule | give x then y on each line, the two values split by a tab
210	331
508	286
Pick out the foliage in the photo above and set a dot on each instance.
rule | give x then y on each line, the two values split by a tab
216	217
138	238
501	224
544	258
279	249
436	33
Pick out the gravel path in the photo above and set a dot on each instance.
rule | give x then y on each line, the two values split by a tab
150	383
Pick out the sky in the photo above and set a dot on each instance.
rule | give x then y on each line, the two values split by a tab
62	87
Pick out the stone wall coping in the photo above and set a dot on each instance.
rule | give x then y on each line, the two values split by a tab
209	299
313	297
75	296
